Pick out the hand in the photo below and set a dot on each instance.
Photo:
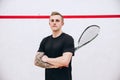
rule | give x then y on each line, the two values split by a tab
44	58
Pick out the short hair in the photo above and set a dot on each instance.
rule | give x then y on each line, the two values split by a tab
57	13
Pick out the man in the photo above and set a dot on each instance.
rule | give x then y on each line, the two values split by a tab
58	49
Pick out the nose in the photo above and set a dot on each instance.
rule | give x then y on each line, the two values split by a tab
54	23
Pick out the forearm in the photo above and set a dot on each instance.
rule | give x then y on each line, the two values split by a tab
59	61
40	63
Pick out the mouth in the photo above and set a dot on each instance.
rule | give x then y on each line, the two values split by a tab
54	26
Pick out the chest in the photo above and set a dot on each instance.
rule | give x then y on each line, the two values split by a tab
54	47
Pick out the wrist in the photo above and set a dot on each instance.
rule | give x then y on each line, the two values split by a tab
47	59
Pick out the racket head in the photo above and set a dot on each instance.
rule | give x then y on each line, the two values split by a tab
89	34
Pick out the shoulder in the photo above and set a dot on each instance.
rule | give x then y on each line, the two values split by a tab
46	38
67	36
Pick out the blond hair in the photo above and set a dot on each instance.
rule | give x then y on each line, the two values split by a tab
57	13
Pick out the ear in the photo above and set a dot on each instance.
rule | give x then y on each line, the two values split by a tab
62	23
49	23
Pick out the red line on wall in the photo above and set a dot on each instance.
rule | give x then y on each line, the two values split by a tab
65	16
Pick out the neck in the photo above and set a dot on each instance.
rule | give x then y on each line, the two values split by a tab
56	33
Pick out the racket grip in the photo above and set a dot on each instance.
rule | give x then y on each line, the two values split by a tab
76	48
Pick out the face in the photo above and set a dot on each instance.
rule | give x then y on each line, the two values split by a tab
55	23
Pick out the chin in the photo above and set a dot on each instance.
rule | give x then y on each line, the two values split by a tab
54	30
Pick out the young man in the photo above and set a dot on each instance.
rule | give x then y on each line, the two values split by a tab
58	49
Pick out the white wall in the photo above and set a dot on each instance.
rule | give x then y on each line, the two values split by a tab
20	38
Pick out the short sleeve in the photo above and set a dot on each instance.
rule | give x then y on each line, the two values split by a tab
69	45
42	46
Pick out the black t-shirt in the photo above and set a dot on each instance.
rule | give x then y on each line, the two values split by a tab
55	47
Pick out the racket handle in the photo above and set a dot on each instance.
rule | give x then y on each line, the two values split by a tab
76	48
